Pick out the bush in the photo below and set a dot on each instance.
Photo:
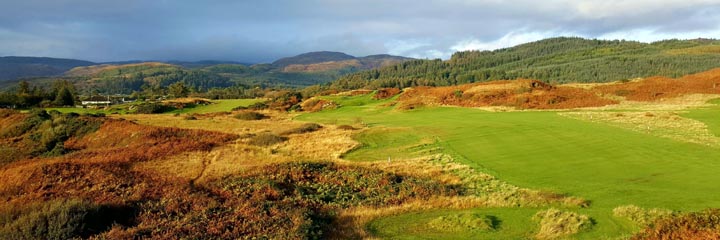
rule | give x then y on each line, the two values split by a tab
60	219
346	127
267	139
699	225
305	128
250	116
152	108
555	223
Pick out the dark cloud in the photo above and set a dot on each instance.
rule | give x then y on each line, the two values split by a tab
261	31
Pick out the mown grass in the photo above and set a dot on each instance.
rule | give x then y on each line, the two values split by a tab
511	223
609	166
708	115
223	105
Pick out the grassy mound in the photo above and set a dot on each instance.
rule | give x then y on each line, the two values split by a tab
556	224
641	216
464	222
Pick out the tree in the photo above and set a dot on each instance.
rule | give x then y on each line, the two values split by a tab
178	90
64	98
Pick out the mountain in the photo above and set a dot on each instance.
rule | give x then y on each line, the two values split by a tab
303	70
298	71
25	67
556	60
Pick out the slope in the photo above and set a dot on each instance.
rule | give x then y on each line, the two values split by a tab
558	60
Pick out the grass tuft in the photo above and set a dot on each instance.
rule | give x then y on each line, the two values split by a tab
556	224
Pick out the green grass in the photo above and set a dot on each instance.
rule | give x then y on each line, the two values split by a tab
708	115
416	225
224	105
119	109
541	150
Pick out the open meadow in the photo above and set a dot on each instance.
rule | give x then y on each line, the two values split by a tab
605	163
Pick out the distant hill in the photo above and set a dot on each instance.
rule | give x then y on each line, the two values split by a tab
25	67
555	60
304	69
333	61
124	77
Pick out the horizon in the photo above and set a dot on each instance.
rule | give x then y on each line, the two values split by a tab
320	51
260	32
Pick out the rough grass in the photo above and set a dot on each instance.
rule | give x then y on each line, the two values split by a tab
464	222
555	223
642	217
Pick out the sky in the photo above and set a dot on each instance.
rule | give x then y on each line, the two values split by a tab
261	31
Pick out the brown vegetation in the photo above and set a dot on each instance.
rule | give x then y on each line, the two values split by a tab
386	93
522	94
657	88
316	105
700	225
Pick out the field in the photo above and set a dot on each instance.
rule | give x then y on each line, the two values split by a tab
542	150
222	105
500	160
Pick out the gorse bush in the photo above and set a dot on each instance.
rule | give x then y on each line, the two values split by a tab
43	133
153	108
305	128
250	116
59	219
267	139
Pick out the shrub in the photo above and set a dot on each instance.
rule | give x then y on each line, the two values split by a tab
250	116
699	225
60	219
555	223
267	139
305	128
642	217
346	127
152	108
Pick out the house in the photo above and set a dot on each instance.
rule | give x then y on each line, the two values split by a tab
96	100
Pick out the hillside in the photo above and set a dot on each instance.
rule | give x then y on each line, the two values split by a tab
333	61
304	69
143	76
24	67
556	60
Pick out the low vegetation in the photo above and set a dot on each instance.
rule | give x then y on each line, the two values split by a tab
305	128
464	222
643	217
266	139
555	223
696	225
250	116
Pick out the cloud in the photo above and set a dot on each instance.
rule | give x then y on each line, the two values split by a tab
261	31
